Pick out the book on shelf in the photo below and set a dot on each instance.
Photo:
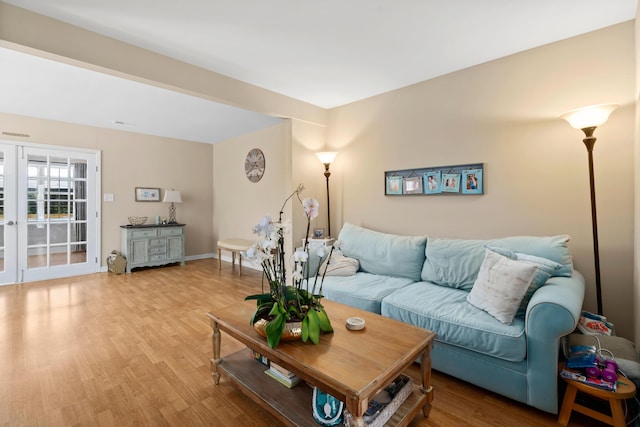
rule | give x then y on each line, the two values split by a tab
579	376
289	382
281	369
259	357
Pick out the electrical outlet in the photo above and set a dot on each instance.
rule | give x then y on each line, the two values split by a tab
107	197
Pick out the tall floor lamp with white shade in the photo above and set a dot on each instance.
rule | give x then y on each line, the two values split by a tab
588	119
327	157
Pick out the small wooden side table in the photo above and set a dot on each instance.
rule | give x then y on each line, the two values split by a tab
626	390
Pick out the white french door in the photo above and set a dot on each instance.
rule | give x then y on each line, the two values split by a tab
8	215
50	217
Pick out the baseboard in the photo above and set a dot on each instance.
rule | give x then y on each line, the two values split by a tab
201	256
105	269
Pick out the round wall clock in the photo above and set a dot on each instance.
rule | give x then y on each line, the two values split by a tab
254	165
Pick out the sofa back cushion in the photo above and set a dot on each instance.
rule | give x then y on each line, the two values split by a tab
456	262
382	253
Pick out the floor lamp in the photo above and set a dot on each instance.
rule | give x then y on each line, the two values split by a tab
588	119
327	157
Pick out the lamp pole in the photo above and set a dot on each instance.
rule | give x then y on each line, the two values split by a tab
326	158
327	174
589	142
588	119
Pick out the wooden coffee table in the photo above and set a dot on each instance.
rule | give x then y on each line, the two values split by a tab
350	365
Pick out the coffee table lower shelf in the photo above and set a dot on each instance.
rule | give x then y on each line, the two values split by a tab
293	406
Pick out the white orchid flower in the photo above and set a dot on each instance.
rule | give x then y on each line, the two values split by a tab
310	207
323	250
300	256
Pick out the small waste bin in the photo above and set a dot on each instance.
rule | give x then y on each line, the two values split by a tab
116	262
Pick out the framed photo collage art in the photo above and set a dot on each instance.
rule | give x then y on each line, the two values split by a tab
456	179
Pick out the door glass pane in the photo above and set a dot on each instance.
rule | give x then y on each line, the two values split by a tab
58	233
78	254
58	256
79	232
37	257
36	234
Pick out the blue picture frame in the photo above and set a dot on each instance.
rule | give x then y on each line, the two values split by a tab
450	183
432	182
472	181
394	185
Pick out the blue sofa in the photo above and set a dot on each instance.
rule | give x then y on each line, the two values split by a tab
425	281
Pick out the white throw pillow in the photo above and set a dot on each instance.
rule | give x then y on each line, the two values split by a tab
339	265
501	285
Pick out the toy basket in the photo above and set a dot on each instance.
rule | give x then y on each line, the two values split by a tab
387	412
116	262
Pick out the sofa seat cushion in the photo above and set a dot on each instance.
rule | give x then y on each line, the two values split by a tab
383	253
362	290
446	312
456	262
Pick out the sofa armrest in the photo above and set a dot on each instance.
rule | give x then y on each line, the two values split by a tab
553	312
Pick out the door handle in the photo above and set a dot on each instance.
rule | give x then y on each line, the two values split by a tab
10	223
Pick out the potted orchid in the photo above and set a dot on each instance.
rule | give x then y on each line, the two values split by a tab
282	303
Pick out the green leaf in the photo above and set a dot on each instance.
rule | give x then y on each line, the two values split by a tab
305	329
259	297
274	330
325	323
314	326
275	310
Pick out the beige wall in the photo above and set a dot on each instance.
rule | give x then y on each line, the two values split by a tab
505	113
290	160
238	203
132	160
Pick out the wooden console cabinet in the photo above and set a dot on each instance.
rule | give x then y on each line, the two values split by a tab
152	245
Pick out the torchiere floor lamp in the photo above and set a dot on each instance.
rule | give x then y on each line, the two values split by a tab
327	157
588	119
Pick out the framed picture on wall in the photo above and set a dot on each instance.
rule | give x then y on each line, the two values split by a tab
394	185
146	194
413	185
432	182
472	181
451	182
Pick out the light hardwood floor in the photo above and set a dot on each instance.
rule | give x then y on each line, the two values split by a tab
134	350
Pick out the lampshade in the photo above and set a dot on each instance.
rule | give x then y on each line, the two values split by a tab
172	196
327	157
591	116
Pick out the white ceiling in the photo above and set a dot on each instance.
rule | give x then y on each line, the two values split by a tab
328	53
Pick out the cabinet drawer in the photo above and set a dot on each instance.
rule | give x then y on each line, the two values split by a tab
157	257
143	233
157	246
171	231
